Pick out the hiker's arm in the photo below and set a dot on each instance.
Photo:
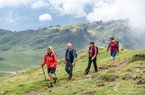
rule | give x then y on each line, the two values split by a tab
108	47
74	60
95	54
55	58
44	61
64	59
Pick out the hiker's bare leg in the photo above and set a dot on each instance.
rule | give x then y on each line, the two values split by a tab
112	62
51	77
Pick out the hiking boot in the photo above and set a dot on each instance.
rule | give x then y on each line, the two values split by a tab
85	74
67	79
50	85
54	80
114	65
96	71
70	77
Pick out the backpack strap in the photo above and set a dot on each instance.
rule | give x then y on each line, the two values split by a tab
97	49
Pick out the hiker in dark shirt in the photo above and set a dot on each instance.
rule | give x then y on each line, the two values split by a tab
93	52
70	57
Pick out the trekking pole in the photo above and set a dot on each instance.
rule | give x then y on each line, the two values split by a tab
74	65
44	75
56	78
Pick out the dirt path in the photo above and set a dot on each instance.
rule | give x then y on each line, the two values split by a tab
102	69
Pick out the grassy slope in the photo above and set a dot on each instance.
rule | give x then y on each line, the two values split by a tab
19	59
32	79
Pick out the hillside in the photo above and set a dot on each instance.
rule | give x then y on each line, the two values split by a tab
24	49
128	78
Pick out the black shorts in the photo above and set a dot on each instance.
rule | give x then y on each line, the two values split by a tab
51	70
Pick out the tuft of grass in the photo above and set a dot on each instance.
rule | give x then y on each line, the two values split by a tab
138	57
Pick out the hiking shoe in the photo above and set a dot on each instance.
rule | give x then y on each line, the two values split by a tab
54	80
67	79
114	65
70	77
85	74
50	85
96	71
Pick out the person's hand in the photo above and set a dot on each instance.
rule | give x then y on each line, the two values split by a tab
73	63
42	65
92	58
64	60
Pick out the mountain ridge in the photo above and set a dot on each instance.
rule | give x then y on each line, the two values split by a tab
24	49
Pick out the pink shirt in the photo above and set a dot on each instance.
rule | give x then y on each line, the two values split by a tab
91	52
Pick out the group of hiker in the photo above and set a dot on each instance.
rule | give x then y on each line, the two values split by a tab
50	59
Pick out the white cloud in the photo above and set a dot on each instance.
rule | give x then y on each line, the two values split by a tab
45	17
10	13
11	20
120	9
39	4
76	8
103	10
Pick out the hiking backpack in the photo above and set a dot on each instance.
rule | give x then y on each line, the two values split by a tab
75	53
97	50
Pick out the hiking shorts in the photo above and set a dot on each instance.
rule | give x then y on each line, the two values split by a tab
113	53
51	70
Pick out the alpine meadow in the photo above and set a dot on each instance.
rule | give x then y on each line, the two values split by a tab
72	47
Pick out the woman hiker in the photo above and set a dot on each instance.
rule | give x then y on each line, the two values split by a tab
93	52
114	49
50	59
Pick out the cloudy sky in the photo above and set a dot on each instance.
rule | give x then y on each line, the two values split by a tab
32	14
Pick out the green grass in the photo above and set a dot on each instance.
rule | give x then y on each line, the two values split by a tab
117	81
20	58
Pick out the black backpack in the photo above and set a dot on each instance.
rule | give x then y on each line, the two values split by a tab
75	53
97	50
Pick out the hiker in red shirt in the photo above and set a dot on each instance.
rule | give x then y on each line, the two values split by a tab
93	52
114	49
50	60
